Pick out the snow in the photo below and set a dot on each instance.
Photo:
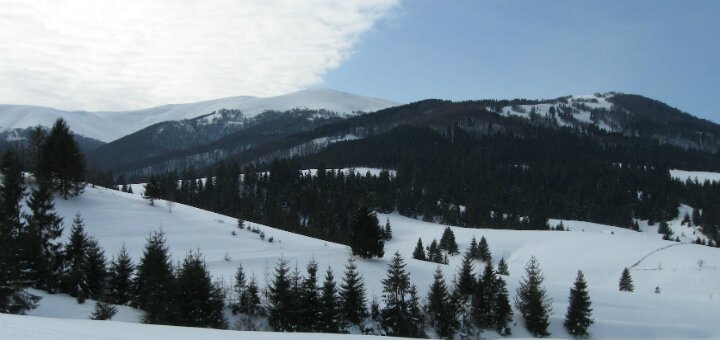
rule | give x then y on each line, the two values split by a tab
687	306
699	176
580	115
375	172
36	328
108	126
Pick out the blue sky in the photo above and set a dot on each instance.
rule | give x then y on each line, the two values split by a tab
667	50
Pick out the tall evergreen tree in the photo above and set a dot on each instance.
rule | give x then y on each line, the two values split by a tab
626	283
75	281
448	243
485	298
419	252
280	298
503	267
465	283
154	281
434	253
329	318
579	314
484	250
394	316
367	238
532	301
353	303
62	163
415	312
473	249
95	268
440	308
309	300
12	190
120	273
240	287
388	230
196	301
152	190
504	312
41	252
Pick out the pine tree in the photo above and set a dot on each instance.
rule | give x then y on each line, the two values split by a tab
154	281
196	300
394	316
473	249
484	305
504	312
415	312
503	267
439	307
484	250
352	295
152	190
419	252
532	301
41	253
75	281
388	230
280	298
240	287
309	300
367	238
62	163
252	305
448	243
665	230
95	270
626	283
434	253
120	272
12	190
465	283
579	313
329	316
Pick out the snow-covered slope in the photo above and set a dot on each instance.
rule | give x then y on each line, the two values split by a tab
699	176
569	111
107	126
686	307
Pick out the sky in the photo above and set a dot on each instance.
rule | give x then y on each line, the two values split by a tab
120	55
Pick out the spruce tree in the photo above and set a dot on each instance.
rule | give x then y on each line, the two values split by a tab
484	250
329	316
62	163
484	299
252	306
240	286
473	249
309	300
152	190
41	252
415	313
74	280
103	311
448	243
440	308
503	267
388	230
280	298
579	313
532	301
154	281
12	190
503	312
95	270
465	283
120	273
196	300
352	295
367	237
419	252
626	283
394	316
434	253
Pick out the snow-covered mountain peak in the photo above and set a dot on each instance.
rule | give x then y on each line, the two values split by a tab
110	125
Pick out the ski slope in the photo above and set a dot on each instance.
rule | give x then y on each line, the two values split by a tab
108	126
687	306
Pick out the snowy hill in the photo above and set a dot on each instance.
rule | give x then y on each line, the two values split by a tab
107	126
687	306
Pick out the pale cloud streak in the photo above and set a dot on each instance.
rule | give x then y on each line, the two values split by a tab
119	55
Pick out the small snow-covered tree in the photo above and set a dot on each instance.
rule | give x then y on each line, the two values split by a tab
626	283
579	314
532	301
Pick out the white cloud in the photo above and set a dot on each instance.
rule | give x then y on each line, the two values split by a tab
117	55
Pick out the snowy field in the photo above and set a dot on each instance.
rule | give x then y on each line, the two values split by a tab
687	306
699	176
